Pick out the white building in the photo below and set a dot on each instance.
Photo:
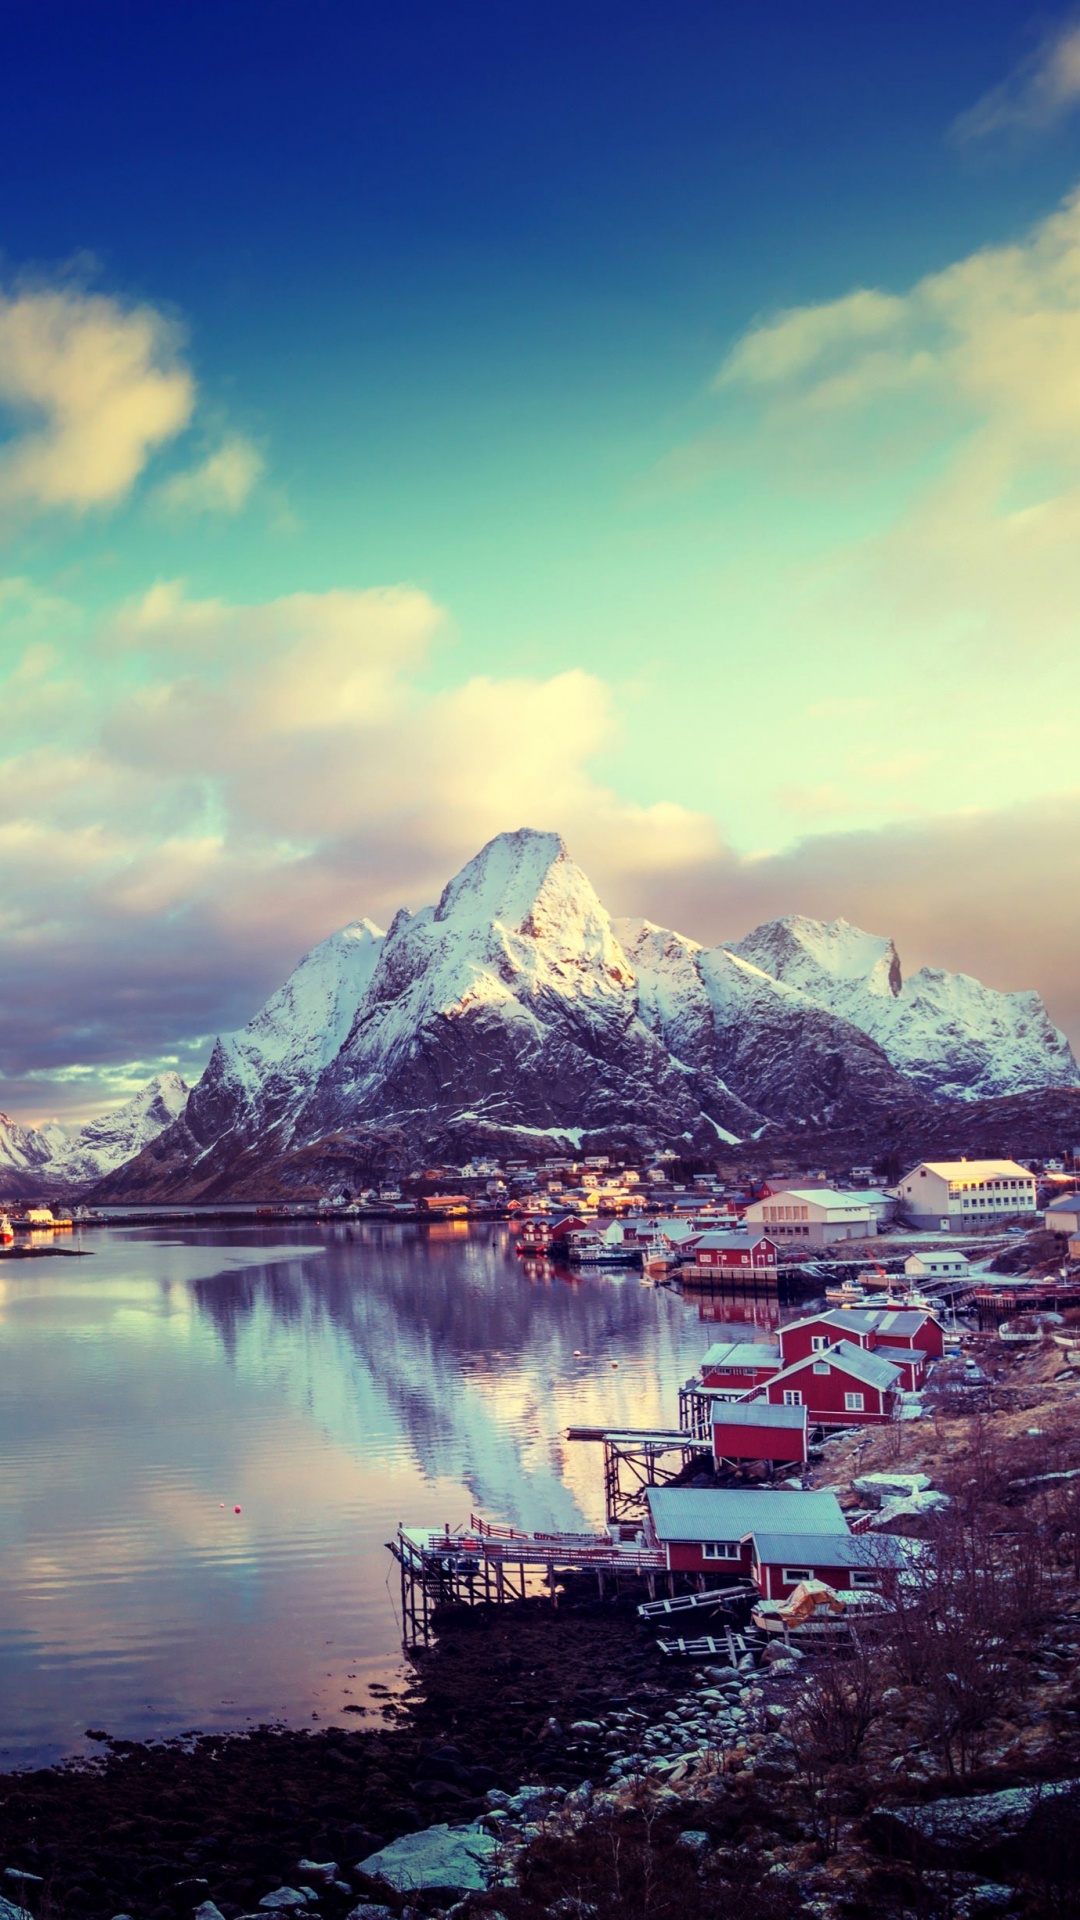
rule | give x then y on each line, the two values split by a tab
816	1215
1063	1216
960	1196
940	1265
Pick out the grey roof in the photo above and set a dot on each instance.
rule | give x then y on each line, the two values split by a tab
867	1319
757	1413
829	1549
742	1353
709	1513
738	1242
868	1367
1069	1203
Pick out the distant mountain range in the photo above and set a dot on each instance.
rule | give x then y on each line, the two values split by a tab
35	1158
516	1015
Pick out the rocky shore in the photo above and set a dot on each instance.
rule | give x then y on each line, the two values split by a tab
551	1762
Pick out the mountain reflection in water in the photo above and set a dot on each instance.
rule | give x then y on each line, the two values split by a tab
328	1382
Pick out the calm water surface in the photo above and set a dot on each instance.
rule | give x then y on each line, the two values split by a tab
326	1381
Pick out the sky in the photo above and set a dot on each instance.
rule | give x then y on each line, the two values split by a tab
657	424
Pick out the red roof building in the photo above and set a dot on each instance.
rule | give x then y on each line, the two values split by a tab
753	1430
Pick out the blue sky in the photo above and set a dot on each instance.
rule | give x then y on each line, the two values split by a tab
657	424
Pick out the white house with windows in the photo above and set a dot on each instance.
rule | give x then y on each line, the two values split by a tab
942	1264
960	1196
815	1215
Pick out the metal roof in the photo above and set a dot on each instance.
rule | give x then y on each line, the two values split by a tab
828	1549
828	1197
1069	1203
847	1358
757	1413
972	1169
733	1239
871	1367
882	1319
710	1513
742	1353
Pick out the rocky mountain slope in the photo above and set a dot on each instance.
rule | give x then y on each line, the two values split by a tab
952	1037
49	1159
516	1012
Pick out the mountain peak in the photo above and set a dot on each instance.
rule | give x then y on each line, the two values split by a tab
504	881
797	946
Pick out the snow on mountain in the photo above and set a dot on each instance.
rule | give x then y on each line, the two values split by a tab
751	1037
510	1001
113	1138
952	1037
257	1076
33	1159
25	1149
516	1010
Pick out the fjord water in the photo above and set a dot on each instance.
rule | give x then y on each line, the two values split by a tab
326	1381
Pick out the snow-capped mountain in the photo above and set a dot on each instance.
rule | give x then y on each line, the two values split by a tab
515	1012
259	1076
950	1035
729	1023
33	1159
24	1149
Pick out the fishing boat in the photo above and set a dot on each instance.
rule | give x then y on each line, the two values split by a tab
846	1293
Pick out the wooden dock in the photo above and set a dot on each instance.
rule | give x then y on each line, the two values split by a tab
485	1565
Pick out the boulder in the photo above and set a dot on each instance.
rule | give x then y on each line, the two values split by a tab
283	1900
9	1911
908	1506
873	1488
321	1873
453	1860
695	1840
960	1828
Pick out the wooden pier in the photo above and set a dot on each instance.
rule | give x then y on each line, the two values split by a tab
485	1565
636	1459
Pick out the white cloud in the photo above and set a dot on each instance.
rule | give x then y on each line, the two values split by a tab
794	342
94	388
1038	94
985	552
222	483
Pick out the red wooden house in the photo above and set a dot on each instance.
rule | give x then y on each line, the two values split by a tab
840	1386
560	1230
780	1560
905	1330
708	1530
754	1430
730	1256
734	1366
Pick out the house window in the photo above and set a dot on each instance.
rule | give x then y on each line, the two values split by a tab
819	1342
865	1578
821	1366
792	1575
853	1402
721	1550
792	1397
